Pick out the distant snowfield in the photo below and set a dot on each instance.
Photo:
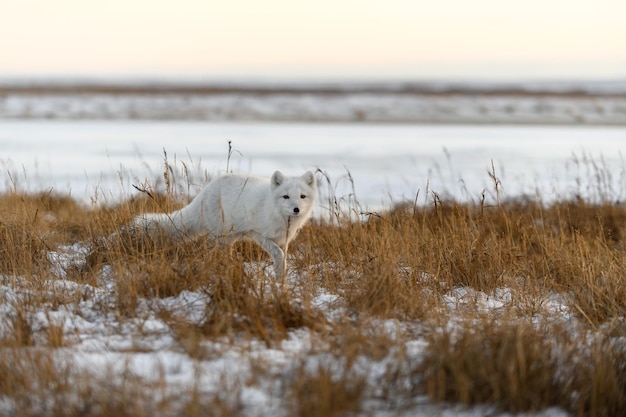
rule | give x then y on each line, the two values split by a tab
383	107
580	103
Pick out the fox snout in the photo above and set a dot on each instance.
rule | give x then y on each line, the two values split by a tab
296	210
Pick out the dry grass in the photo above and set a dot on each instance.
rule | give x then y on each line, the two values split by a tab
394	267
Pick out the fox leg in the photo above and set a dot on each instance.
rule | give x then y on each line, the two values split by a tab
277	254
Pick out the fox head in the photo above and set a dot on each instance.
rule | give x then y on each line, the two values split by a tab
294	196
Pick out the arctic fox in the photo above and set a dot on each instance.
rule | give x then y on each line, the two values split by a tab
269	211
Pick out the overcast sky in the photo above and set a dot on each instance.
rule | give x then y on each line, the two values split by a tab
346	39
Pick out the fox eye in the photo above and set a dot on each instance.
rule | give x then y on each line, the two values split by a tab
302	196
286	197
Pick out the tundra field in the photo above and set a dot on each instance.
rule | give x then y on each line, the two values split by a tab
434	307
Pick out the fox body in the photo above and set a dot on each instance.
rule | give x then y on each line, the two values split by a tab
269	211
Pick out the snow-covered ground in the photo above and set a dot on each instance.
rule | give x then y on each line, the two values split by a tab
369	166
145	346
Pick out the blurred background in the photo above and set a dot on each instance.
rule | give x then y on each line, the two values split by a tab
350	39
385	98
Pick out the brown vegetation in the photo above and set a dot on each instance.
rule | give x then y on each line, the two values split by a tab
397	267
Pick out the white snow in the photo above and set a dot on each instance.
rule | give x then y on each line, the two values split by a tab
145	346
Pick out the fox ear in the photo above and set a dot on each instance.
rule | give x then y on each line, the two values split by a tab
309	178
277	179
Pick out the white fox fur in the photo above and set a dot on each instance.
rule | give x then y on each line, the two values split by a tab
233	207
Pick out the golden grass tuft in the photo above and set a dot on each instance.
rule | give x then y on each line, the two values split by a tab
244	304
513	366
322	392
22	249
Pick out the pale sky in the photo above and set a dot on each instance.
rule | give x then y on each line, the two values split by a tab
347	39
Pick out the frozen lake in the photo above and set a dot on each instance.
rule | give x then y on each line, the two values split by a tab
388	163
